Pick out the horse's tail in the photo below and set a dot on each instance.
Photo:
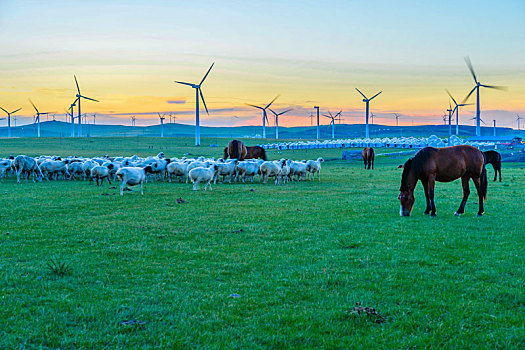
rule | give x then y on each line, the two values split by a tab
225	152
484	181
263	154
234	149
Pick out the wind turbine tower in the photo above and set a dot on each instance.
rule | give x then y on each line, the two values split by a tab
161	117
367	101
265	115
456	109
318	127
133	121
476	88
518	119
9	120
198	92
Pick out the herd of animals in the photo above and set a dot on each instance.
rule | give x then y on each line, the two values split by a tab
241	163
134	170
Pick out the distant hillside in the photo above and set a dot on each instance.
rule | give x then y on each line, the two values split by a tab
62	129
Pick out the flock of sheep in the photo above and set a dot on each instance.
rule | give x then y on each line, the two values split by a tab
132	171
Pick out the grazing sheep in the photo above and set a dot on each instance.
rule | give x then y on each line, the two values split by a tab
247	168
53	169
284	174
298	169
226	169
314	167
101	172
177	169
204	175
5	166
269	169
87	166
132	176
27	165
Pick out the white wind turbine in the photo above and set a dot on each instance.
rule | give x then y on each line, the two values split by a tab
265	116
9	120
367	101
198	92
276	115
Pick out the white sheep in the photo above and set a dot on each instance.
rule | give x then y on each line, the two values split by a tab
204	175
226	169
298	169
314	167
131	176
271	168
27	165
101	172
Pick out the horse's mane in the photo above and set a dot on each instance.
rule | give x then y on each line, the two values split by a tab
415	165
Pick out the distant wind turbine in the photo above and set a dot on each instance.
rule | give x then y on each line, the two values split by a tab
94	118
276	115
133	121
518	119
450	111
367	101
37	118
332	121
161	117
9	120
79	96
372	117
198	92
397	118
265	116
456	109
476	88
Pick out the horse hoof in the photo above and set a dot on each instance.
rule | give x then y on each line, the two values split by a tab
433	215
457	214
479	215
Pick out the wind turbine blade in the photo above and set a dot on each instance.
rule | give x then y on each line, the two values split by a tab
504	88
208	72
470	93
288	110
375	95
482	121
204	102
330	114
361	93
33	105
183	83
271	110
91	99
76	82
14	111
5	110
469	65
450	95
269	104
254	106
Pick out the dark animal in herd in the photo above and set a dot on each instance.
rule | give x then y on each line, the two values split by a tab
237	150
368	157
444	165
494	158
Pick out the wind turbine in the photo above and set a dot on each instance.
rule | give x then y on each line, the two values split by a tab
456	109
265	116
481	120
332	121
198	92
367	101
476	87
161	117
133	121
277	120
372	117
37	118
71	113
9	120
518	119
94	118
397	118
79	96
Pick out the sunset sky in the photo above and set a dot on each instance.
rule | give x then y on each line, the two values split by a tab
128	53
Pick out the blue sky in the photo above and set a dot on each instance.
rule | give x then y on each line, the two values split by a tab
127	54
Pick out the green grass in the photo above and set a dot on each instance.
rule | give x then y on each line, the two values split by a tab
146	272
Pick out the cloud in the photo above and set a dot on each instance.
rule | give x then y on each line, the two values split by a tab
177	102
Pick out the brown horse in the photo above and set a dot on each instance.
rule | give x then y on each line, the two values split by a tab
368	157
494	158
444	165
237	150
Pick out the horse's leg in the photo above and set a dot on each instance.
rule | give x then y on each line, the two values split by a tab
372	163
466	191
431	187
477	182
425	187
499	170
495	172
364	159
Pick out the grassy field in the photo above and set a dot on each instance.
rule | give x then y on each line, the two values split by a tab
256	266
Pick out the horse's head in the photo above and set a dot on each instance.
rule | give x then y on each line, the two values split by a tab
406	192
